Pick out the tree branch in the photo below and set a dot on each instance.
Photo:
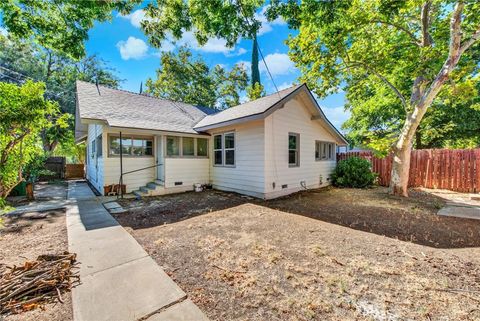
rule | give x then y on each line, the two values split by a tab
426	38
381	77
399	27
475	36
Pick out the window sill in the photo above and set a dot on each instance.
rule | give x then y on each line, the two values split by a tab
293	165
227	166
130	156
187	157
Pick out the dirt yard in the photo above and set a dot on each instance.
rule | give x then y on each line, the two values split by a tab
26	237
383	258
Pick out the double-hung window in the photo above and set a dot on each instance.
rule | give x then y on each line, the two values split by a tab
324	151
293	150
224	149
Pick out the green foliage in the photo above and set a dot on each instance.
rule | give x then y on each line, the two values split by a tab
255	71
58	25
208	19
181	77
353	172
375	50
24	113
255	91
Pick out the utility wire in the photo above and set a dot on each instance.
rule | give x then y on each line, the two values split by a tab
259	50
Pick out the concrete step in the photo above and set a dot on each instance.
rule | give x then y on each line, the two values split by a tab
140	193
146	189
153	185
159	182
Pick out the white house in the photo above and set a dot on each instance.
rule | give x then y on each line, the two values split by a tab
266	148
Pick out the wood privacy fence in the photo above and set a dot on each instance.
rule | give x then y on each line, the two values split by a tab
457	170
74	171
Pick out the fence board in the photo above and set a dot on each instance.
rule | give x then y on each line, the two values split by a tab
456	170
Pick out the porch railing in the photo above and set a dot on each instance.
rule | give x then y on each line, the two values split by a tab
120	180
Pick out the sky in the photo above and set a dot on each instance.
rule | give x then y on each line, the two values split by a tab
123	45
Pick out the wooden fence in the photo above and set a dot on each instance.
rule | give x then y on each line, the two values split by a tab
74	171
456	170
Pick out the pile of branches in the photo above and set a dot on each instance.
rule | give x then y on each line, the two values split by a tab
36	283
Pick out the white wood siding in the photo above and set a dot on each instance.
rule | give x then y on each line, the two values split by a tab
294	118
247	177
94	168
189	171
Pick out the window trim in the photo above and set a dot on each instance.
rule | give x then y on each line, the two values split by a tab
224	150
320	143
131	137
180	148
297	150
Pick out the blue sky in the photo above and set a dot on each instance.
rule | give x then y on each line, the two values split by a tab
123	45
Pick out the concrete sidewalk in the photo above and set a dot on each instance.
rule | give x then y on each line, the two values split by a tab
120	281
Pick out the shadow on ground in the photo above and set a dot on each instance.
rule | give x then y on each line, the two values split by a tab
371	210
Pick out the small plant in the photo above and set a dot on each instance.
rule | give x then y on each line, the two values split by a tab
353	172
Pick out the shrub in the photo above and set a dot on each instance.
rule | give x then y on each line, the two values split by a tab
353	172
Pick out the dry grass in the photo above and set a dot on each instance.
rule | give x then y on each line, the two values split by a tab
252	262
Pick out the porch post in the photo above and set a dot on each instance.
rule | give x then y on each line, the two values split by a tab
121	166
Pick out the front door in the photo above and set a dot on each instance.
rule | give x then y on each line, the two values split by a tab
160	160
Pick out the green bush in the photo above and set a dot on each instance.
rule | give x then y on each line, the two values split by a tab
353	172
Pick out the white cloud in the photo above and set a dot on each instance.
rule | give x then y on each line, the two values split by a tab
247	65
336	115
267	25
135	17
133	48
278	64
285	85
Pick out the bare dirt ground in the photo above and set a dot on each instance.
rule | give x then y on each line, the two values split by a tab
384	258
24	238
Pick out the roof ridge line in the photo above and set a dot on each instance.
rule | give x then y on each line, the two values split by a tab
137	94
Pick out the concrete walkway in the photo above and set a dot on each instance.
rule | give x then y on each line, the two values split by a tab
120	281
464	205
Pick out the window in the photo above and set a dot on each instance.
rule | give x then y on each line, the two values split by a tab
293	149
92	150
188	146
324	151
224	149
173	146
202	147
131	146
229	143
217	150
99	146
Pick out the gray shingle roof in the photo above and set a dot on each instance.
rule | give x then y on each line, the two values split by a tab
250	108
121	108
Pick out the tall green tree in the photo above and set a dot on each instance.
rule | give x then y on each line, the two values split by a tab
182	77
24	113
407	49
59	25
255	90
21	60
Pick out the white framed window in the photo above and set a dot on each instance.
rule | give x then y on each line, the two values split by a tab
293	149
99	146
135	146
224	149
325	151
188	147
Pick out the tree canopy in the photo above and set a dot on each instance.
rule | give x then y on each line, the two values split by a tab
182	77
24	113
61	26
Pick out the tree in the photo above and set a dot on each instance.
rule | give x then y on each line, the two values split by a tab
24	113
60	25
181	77
23	60
255	90
410	48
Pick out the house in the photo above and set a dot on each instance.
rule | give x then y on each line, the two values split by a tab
266	148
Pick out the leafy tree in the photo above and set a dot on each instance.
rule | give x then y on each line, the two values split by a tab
405	49
353	172
181	77
255	90
60	25
23	60
24	113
